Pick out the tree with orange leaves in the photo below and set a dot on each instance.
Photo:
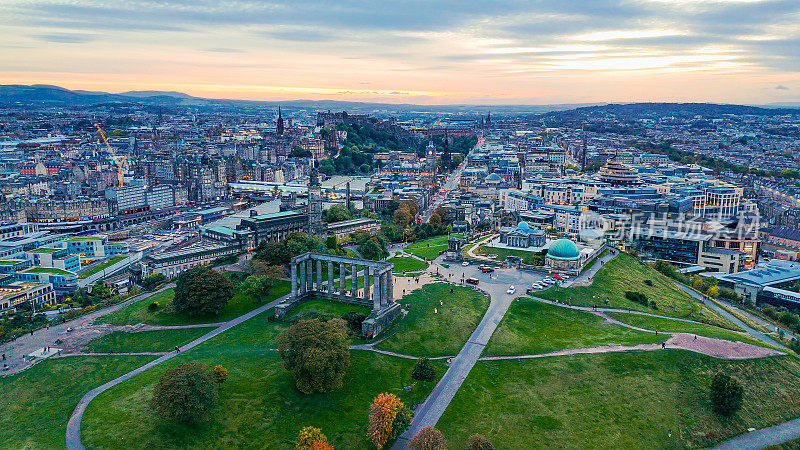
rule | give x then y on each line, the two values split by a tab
383	413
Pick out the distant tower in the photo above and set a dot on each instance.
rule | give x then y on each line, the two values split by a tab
583	150
347	196
314	202
488	122
279	128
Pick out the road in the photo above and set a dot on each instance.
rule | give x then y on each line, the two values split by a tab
495	284
450	183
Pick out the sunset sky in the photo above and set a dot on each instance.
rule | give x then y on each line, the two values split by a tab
487	52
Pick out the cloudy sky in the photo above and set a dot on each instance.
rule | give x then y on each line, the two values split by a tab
433	52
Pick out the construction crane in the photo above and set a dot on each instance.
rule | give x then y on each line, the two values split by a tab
118	160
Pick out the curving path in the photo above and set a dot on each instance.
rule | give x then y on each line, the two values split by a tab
73	436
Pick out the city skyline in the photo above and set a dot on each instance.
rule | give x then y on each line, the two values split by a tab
741	51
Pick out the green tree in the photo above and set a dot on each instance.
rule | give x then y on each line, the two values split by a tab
374	249
726	394
257	287
299	243
184	393
317	353
153	280
712	291
336	213
423	370
308	437
273	253
201	291
220	374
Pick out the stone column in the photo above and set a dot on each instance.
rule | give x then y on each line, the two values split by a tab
387	292
302	284
366	282
354	280
309	276
376	291
341	278
330	277
319	275
294	280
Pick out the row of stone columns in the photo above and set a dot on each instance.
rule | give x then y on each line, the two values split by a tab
381	289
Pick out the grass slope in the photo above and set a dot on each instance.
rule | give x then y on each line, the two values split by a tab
674	326
531	327
144	341
624	273
429	248
423	333
503	253
616	400
259	405
37	403
138	313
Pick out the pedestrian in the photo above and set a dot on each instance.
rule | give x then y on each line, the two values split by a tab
4	356
695	337
663	345
177	349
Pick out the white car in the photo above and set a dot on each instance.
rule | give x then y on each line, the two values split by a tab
465	263
565	277
511	290
537	286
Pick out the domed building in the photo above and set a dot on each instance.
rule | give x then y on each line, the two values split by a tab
563	254
522	236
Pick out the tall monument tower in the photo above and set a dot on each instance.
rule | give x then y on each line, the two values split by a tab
314	201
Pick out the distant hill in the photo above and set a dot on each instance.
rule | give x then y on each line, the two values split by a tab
145	94
683	110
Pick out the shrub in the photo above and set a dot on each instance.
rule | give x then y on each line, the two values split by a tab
310	437
653	304
428	438
354	321
423	370
152	306
726	394
478	442
184	393
220	374
636	296
648	282
153	280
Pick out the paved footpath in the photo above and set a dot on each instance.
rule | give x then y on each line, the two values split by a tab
73	437
764	437
16	350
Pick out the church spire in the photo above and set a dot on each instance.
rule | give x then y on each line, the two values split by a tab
279	127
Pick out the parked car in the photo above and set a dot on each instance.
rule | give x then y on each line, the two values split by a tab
486	269
511	290
465	263
472	281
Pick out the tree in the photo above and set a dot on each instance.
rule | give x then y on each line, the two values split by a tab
220	374
435	219
726	394
202	291
311	438
184	393
428	438
299	243
478	442
423	370
154	279
336	213
273	253
257	288
317	354
712	291
331	242
401	217
374	249
697	282
382	414
261	269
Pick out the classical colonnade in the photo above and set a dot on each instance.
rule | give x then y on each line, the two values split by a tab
307	279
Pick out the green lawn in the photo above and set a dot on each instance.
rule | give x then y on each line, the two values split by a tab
145	341
675	326
531	327
138	313
37	403
624	273
503	253
259	404
423	333
616	400
407	264
429	248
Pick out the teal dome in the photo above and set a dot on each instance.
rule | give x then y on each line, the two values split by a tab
523	226
563	249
